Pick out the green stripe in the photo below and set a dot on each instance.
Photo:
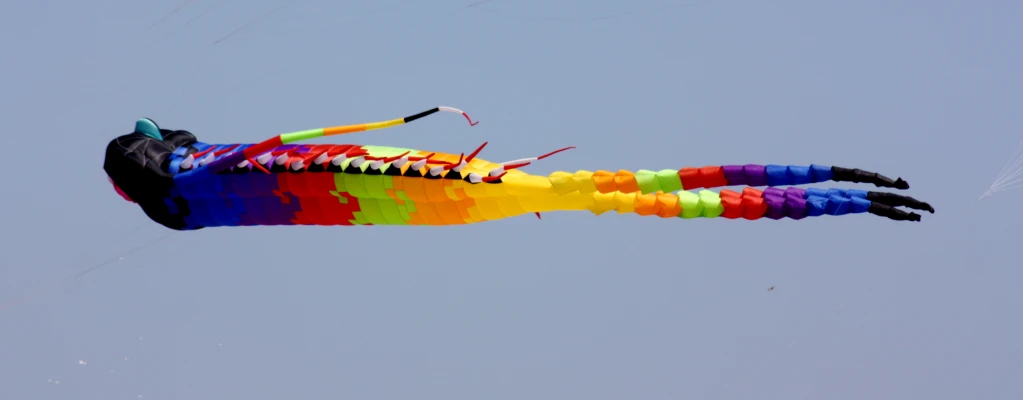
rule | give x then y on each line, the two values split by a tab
301	135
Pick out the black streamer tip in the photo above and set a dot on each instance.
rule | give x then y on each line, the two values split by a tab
897	200
892	213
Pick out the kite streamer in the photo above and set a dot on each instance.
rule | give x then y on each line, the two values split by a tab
185	184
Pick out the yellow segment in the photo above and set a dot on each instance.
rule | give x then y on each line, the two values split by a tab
585	181
563	183
385	124
626	202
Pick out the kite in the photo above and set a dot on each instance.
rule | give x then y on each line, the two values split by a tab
184	184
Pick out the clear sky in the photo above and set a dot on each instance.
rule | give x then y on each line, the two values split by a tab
569	307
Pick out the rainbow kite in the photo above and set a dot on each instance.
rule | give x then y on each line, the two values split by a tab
185	184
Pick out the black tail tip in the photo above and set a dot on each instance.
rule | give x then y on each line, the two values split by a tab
901	184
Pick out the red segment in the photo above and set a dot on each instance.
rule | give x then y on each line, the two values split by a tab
705	177
317	206
733	204
753	199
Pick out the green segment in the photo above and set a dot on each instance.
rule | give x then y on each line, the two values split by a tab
647	181
371	211
712	207
392	212
705	204
669	180
691	207
375	187
301	135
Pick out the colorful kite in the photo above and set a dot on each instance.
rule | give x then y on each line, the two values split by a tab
185	184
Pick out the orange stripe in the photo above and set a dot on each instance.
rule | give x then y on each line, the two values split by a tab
463	209
604	181
449	213
434	189
429	214
670	206
338	130
626	182
646	204
414	190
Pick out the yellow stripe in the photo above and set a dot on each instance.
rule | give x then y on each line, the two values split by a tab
384	124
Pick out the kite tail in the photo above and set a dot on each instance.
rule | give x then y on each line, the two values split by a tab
750	204
666	193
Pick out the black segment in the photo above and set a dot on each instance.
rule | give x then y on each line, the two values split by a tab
420	115
892	213
860	176
897	200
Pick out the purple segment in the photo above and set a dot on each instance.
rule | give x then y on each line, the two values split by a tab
756	175
794	192
795	198
734	174
776	208
749	174
773	191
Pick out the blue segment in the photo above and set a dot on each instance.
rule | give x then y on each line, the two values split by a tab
860	205
856	193
777	175
837	205
815	205
821	173
830	201
800	175
814	192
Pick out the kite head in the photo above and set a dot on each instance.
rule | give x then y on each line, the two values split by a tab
149	128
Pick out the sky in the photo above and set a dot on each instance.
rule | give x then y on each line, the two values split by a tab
570	306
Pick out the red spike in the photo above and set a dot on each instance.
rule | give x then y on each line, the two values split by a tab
554	152
417	158
477	152
537	215
519	165
450	166
386	159
308	160
257	165
356	153
199	154
493	178
395	158
221	152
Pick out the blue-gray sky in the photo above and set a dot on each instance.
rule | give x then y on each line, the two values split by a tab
571	306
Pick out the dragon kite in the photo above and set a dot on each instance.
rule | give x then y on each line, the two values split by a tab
184	184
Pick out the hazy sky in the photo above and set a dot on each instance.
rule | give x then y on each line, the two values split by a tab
569	307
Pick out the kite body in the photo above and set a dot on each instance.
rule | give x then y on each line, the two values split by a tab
186	184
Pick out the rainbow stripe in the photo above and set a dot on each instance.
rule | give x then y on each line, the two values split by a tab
346	184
